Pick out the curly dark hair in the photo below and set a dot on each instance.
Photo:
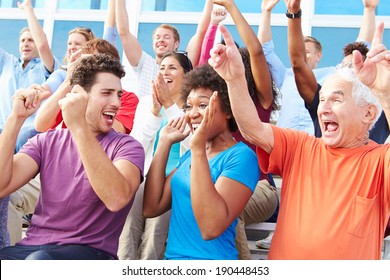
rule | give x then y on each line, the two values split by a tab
205	77
251	81
84	73
360	46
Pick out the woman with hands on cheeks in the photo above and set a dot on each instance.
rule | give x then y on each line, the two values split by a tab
211	183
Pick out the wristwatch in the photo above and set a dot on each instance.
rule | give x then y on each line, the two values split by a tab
297	15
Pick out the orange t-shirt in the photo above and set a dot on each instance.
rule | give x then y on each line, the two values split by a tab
334	202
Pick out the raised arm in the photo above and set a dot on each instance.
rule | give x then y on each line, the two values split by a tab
217	15
131	46
15	171
259	65
109	32
374	72
304	76
195	44
38	35
264	33
367	28
227	61
278	70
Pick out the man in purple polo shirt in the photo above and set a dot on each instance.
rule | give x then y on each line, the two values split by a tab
89	173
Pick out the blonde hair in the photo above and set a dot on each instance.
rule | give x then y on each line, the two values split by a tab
85	31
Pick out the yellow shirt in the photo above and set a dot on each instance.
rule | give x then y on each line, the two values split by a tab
334	202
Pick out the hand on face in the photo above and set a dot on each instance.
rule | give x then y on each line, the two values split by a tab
174	131
201	134
226	59
72	62
74	107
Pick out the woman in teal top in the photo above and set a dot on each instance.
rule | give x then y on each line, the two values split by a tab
212	182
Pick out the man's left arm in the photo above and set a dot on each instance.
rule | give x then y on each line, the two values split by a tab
374	72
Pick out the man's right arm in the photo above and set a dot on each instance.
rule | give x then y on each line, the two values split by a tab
227	62
15	171
131	46
304	77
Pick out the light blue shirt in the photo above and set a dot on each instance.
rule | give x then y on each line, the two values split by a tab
185	241
293	113
56	79
14	77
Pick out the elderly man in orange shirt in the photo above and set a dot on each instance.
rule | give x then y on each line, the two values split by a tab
336	189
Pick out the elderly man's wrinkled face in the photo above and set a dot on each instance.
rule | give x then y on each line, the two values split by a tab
339	115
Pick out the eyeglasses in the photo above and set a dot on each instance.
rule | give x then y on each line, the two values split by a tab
185	53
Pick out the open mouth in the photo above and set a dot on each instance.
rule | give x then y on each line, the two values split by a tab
109	116
330	126
195	126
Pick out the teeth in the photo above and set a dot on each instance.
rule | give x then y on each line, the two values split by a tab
109	114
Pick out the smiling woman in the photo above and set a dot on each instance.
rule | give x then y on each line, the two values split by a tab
211	184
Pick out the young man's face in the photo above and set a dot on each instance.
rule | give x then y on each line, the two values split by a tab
27	48
313	56
164	42
104	102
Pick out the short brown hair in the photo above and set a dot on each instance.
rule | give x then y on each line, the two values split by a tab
176	34
85	71
24	29
317	44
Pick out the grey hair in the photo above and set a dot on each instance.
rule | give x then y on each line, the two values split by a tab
360	92
24	29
